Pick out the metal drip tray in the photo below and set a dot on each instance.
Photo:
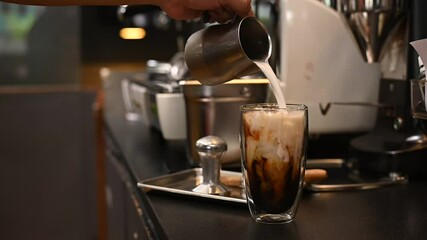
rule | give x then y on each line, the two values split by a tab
339	179
184	181
356	183
342	177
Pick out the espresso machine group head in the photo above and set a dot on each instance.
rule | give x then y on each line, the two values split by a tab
373	23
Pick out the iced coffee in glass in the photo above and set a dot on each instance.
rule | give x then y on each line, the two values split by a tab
273	145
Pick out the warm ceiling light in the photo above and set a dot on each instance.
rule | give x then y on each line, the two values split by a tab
132	33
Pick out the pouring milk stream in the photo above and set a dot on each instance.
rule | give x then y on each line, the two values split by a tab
274	82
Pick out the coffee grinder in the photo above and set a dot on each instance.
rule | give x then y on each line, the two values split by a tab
350	61
396	145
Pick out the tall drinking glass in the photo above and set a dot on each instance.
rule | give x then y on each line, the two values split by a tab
273	143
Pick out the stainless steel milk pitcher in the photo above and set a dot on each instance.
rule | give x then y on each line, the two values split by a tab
223	52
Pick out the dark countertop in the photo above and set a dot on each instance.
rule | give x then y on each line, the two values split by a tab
397	212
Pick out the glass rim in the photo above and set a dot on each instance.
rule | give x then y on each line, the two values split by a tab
272	106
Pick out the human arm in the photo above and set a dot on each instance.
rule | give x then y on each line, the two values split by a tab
217	10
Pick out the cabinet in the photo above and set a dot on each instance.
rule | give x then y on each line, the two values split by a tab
123	214
129	212
47	164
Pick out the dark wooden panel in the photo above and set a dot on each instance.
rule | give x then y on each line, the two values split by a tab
47	164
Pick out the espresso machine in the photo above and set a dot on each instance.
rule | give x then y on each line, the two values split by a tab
350	61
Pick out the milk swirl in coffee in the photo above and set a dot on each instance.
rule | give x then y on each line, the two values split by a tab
274	145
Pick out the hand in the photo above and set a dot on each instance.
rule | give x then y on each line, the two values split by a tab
217	10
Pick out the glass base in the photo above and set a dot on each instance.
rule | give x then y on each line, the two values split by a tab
273	218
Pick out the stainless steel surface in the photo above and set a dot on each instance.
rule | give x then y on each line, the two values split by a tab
159	103
325	163
210	150
220	53
155	69
384	182
183	182
211	144
387	110
372	22
132	113
214	110
121	10
418	98
179	69
347	180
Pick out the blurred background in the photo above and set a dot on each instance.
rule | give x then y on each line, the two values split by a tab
68	45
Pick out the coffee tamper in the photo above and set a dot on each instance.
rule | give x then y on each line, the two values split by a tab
210	150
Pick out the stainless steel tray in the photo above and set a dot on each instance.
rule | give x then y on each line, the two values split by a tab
184	181
347	179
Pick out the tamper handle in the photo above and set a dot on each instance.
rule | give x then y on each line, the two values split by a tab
210	150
